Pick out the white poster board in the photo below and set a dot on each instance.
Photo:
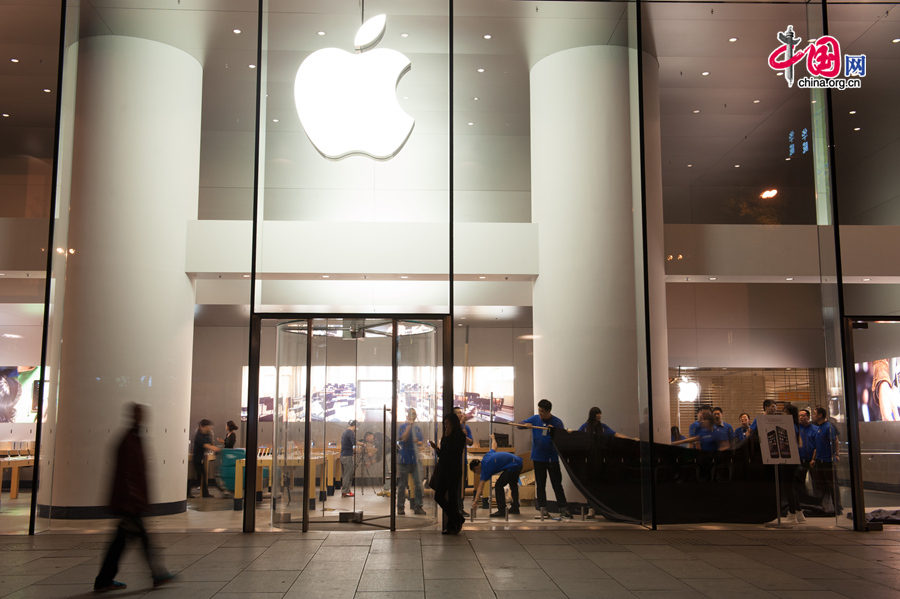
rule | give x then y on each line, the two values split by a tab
777	439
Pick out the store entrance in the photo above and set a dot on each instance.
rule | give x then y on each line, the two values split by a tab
343	387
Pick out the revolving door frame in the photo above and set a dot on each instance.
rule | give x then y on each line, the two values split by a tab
256	322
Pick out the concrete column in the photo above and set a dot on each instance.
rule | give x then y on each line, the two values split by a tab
585	315
127	312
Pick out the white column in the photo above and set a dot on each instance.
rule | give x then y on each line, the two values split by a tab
585	347
128	310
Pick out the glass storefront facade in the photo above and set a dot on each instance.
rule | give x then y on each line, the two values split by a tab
294	215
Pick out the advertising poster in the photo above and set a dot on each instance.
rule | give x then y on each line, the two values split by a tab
778	439
877	393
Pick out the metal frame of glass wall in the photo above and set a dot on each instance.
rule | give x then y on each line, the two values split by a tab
256	318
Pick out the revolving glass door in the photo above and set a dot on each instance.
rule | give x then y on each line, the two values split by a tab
336	404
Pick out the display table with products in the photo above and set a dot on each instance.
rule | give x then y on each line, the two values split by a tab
291	463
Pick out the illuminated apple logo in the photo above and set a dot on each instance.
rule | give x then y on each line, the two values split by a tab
347	103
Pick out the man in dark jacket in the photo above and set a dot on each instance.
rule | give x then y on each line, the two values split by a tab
129	499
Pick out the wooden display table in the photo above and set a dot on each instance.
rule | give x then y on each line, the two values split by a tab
315	464
14	464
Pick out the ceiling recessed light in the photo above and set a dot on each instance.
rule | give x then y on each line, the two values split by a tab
480	69
705	73
482	277
12	336
320	33
732	39
856	128
5	115
852	112
46	90
459	324
896	40
404	276
737	166
788	159
756	101
713	278
404	35
252	66
236	31
789	278
487	36
813	102
866	279
246	276
471	124
475	98
326	276
690	166
768	194
274	120
779	74
13	60
696	111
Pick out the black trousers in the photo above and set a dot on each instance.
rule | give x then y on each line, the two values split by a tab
511	478
823	476
447	495
540	478
129	526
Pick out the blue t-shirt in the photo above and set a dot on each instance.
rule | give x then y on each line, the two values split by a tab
824	439
542	449
495	461
694	429
469	433
729	429
605	430
808	439
710	439
740	433
408	447
348	440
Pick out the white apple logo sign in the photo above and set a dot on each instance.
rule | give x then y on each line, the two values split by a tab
347	103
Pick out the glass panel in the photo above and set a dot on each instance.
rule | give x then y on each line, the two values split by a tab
750	300
28	75
876	352
866	146
418	376
349	224
150	157
287	459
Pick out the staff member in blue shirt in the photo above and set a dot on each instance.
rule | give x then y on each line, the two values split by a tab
741	432
593	424
709	437
509	466
545	458
825	454
410	436
720	422
806	437
769	407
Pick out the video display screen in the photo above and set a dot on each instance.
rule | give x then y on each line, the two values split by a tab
878	390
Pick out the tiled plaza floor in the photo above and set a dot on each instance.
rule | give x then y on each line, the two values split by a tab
477	564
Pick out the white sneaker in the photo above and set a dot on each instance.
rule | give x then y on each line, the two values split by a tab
791	518
800	517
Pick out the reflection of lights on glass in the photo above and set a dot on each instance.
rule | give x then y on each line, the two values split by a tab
669	258
12	336
71	250
60	251
688	390
768	194
679	257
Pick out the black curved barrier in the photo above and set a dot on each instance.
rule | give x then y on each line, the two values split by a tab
692	486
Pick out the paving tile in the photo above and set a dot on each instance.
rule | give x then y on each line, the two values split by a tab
447	552
10	583
690	568
224	595
646	579
575	569
726	587
349	538
395	546
808	595
453	569
392	580
342	553
394	561
519	579
263	582
618	559
185	590
657	552
506	559
537	537
391	595
553	594
451	589
553	552
595	589
53	591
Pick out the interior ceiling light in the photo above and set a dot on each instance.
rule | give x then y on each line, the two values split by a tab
12	336
5	115
690	166
487	36
475	98
769	194
404	276
13	60
737	166
480	70
756	101
788	159
856	128
713	278
246	276
320	33
866	279
705	73
852	112
471	124
482	277
404	35
274	120
732	39
789	278
252	66
46	90
696	111
779	74
236	31
896	40
326	276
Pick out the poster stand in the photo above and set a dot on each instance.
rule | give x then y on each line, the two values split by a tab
778	444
